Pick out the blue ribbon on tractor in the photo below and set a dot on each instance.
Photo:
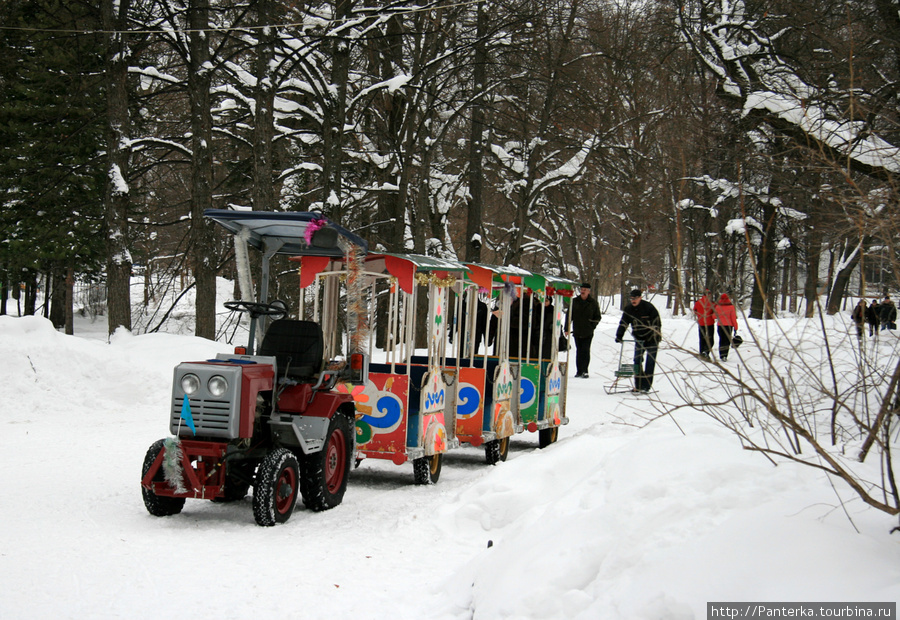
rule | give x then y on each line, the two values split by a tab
186	414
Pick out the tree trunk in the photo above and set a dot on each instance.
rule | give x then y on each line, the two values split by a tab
202	247
70	301
31	288
763	282
475	210
57	294
264	126
335	115
849	261
4	291
118	155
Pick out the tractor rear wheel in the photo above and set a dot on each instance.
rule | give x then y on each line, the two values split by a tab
427	469
324	477
156	505
277	484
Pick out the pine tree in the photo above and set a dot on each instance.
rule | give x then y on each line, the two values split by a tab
50	139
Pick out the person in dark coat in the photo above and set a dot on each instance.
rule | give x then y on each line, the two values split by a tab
646	327
585	318
526	310
887	314
872	317
462	324
859	318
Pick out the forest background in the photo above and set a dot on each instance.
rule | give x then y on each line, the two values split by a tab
673	145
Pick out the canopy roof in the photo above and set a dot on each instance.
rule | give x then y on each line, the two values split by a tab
296	234
485	275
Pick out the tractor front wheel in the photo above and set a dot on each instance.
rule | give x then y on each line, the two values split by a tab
277	484
324	477
156	505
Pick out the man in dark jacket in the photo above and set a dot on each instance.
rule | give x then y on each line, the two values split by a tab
646	327
585	318
887	314
872	317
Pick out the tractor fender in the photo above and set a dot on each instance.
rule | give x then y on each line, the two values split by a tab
308	431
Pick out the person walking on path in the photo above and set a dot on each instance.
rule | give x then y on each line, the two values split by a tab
859	318
872	317
705	312
726	316
646	327
585	318
887	314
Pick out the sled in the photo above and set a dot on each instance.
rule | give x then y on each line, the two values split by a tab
622	371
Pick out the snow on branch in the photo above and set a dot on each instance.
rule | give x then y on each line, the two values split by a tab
570	169
735	48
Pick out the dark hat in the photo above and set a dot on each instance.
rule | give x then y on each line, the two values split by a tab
585	285
636	293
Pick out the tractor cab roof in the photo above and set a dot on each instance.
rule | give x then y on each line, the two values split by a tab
295	234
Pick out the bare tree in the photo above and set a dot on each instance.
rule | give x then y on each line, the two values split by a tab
116	199
793	398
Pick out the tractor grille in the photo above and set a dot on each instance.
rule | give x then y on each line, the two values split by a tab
213	417
209	416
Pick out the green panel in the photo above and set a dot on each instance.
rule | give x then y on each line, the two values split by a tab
529	392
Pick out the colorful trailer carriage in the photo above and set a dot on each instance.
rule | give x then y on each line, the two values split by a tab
524	382
440	338
406	410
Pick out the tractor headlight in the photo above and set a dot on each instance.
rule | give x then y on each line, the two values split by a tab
190	383
217	385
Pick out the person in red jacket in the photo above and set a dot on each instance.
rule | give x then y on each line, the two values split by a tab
727	318
705	311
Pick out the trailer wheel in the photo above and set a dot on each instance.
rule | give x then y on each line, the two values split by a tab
276	488
156	505
496	451
427	469
546	436
324	478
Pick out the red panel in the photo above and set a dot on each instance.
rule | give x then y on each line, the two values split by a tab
310	267
381	413
324	404
295	398
255	378
403	270
482	277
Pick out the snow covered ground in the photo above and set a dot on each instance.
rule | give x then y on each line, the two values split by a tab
618	519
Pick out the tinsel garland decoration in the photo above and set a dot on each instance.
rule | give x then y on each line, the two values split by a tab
356	307
430	278
171	465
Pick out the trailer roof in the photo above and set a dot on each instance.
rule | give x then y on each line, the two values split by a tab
425	263
288	232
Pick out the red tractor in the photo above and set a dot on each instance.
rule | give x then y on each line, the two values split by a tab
268	417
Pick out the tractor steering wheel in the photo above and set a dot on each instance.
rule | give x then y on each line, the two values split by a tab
277	308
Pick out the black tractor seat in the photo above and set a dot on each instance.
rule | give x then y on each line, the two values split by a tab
298	348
